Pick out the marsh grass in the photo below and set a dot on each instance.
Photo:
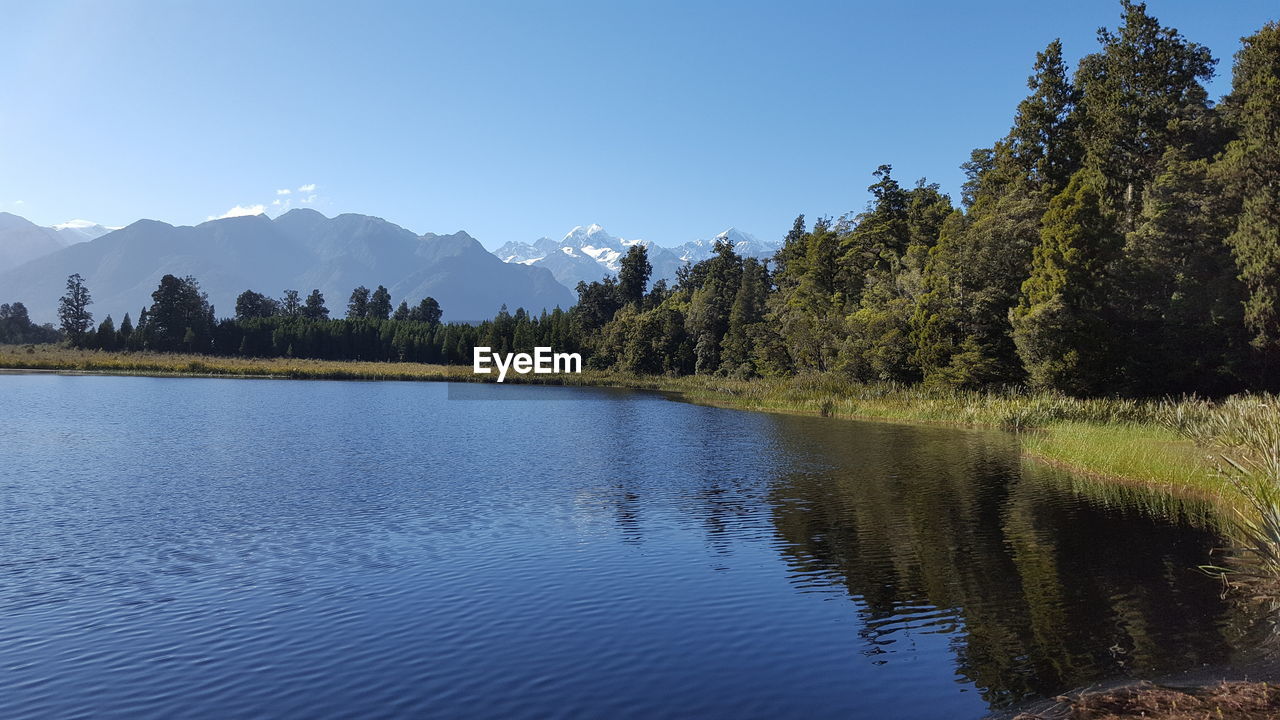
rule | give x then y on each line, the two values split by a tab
52	357
1244	434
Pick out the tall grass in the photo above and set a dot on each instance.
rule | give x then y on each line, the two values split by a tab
1244	434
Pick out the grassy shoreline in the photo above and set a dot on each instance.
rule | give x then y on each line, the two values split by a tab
1117	441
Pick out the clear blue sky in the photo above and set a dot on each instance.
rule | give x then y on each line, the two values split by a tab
512	120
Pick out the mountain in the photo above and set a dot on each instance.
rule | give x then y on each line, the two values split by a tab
301	249
588	253
22	240
75	231
744	244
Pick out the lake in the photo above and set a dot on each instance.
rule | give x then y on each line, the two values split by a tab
257	548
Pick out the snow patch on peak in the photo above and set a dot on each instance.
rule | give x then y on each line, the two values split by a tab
603	255
593	231
587	252
78	231
75	225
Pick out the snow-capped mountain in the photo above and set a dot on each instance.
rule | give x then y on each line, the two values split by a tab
587	253
745	244
76	231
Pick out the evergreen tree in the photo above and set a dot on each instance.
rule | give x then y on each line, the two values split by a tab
1140	95
1059	325
106	337
180	317
1043	143
747	311
16	326
125	332
633	277
290	304
597	303
426	311
1179	300
250	304
871	241
314	308
793	251
710	303
1251	175
973	276
402	311
380	304
358	305
73	310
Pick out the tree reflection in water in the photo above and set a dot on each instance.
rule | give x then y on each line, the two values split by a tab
1044	589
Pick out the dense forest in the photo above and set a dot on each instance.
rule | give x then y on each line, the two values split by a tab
1122	238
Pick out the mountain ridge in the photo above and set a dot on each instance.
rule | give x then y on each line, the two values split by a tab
301	249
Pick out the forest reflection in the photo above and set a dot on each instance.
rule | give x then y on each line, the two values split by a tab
1043	589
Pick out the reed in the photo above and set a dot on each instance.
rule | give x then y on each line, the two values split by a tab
1244	435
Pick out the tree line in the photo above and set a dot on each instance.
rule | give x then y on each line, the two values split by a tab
1122	238
181	319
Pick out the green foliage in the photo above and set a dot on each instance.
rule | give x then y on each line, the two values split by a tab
1043	143
106	335
290	304
358	304
1059	325
1139	95
250	304
16	327
1178	300
380	304
633	277
712	285
314	308
73	310
180	317
1251	173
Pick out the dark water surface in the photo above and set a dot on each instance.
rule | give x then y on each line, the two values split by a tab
253	548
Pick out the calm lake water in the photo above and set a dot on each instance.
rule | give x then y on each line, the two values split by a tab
255	548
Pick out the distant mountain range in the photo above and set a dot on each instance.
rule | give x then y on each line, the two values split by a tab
588	253
301	250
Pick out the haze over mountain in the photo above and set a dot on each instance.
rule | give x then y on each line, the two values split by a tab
588	253
301	250
22	240
74	231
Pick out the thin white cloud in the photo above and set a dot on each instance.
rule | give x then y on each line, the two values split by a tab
241	211
308	199
19	202
307	188
284	191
